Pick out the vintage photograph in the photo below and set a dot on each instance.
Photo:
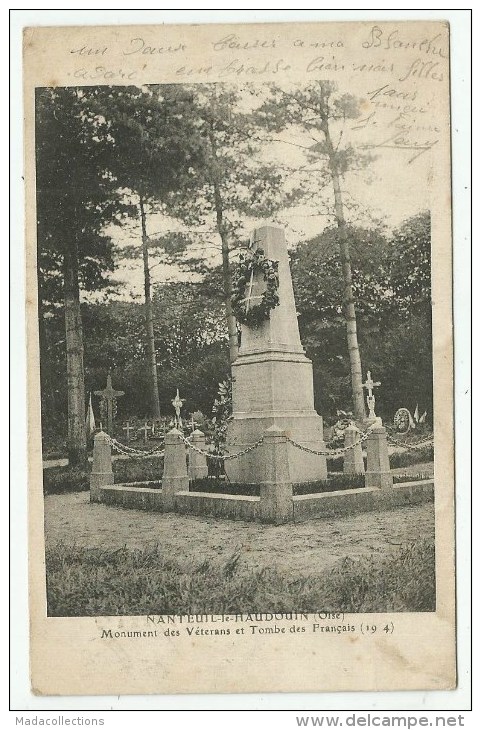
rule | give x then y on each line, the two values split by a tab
236	348
240	358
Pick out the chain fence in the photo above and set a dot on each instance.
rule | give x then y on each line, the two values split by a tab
326	452
412	447
222	457
132	453
332	452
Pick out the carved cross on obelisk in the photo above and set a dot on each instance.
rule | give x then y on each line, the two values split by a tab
371	401
250	297
108	402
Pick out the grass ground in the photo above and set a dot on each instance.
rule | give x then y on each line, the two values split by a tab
93	582
107	559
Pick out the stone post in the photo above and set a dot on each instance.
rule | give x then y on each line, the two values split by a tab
102	473
353	461
175	478
378	473
197	462
276	490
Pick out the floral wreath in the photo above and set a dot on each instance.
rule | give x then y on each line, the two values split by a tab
248	265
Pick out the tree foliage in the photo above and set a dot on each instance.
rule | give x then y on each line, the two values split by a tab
76	198
391	282
316	111
197	153
76	195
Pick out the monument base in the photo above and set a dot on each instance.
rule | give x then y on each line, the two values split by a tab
273	387
305	429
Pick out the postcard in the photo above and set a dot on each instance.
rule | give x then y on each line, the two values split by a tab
240	358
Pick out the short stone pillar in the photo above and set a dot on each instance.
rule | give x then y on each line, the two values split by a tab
353	461
197	462
102	473
378	473
175	478
276	489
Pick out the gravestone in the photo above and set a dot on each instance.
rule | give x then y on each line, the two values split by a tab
272	380
108	402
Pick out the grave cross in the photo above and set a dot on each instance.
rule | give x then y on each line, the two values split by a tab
371	401
108	402
193	424
146	429
178	402
127	428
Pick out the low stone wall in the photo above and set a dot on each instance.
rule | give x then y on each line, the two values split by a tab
276	503
236	507
230	506
130	497
366	499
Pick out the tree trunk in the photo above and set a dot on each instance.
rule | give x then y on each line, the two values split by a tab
149	320
226	276
348	298
76	439
47	377
226	273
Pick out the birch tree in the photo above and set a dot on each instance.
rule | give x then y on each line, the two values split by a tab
318	113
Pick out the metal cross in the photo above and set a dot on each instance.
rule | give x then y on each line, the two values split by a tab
178	402
371	401
109	396
370	384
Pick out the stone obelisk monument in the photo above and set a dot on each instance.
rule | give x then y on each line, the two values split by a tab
272	380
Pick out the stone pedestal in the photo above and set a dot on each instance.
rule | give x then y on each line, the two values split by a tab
272	381
353	460
378	473
102	473
197	462
175	478
276	487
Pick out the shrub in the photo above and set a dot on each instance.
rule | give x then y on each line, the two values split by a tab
333	483
408	458
335	464
64	479
139	470
215	485
97	582
396	460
